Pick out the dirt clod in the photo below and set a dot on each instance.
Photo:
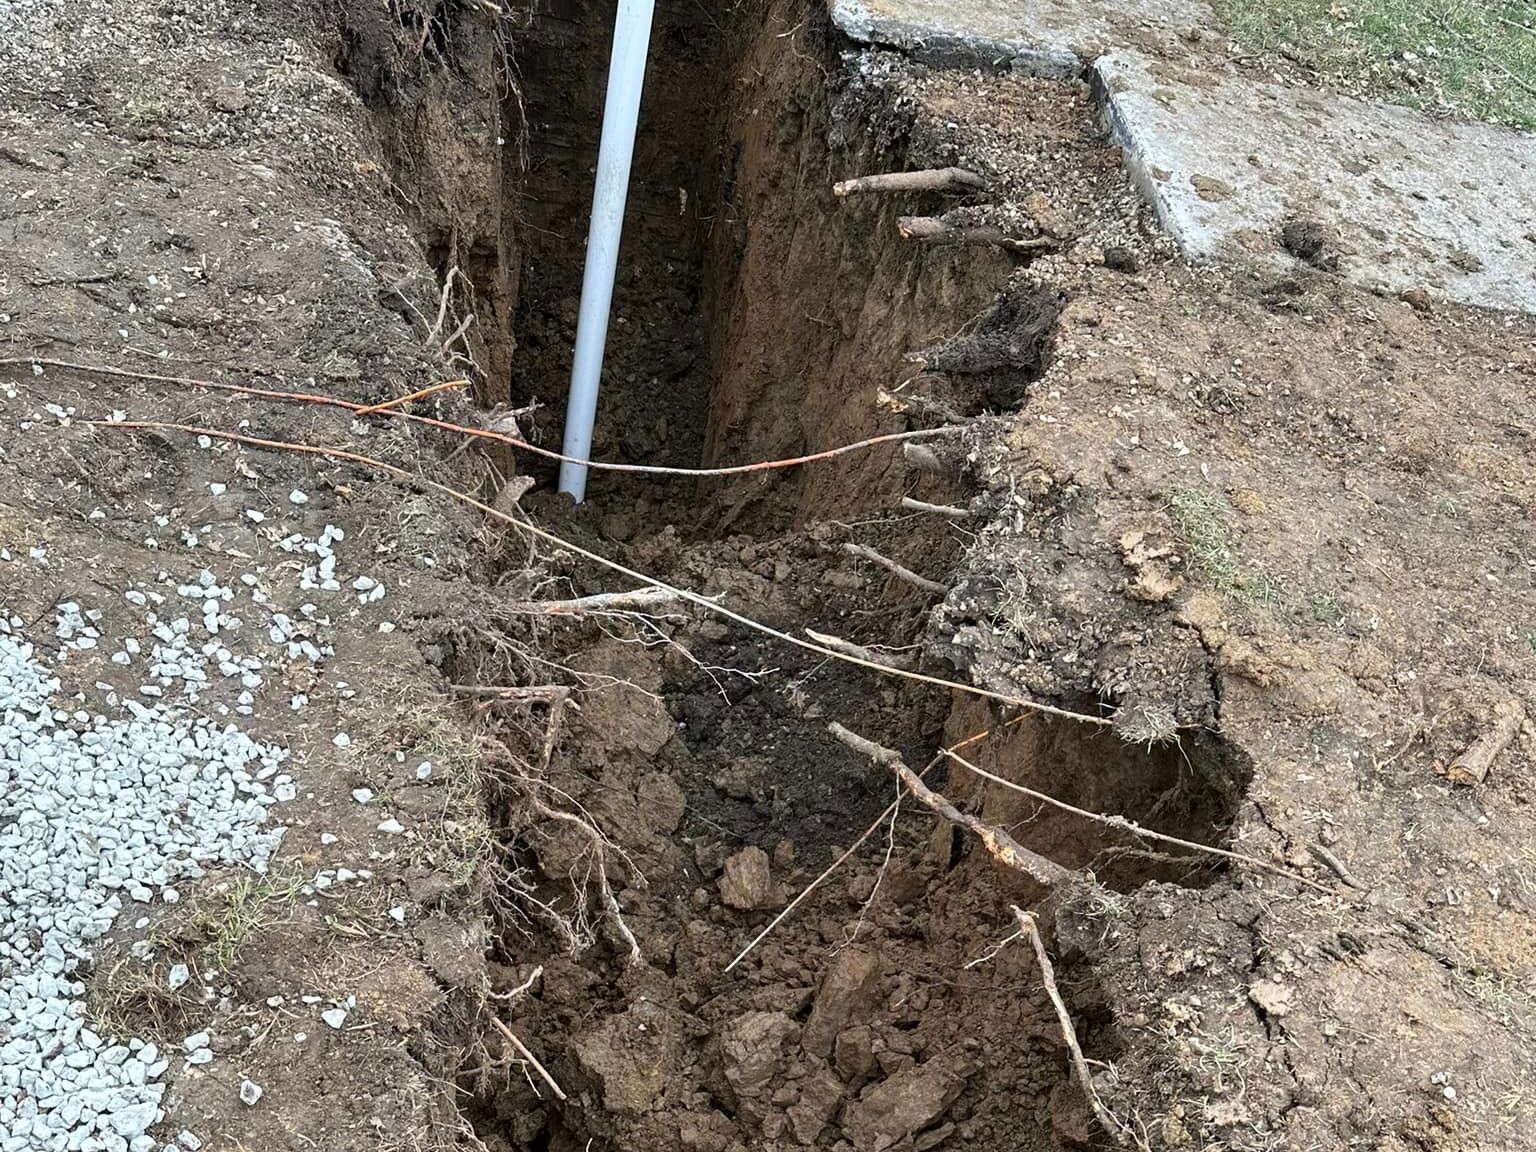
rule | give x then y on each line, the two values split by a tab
1308	241
854	1052
846	991
628	1056
908	1102
821	1095
1273	997
752	1052
748	881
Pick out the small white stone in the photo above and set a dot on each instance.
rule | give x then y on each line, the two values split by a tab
362	795
397	915
335	1017
298	497
178	976
391	827
341	740
250	1092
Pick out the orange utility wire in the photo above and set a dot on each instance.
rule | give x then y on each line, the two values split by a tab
421	395
480	433
612	565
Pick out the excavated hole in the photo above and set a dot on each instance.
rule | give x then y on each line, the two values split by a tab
754	318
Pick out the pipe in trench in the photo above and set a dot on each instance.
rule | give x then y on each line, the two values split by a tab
621	112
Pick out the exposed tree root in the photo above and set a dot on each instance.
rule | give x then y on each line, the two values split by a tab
895	569
1117	1128
532	530
1003	847
924	180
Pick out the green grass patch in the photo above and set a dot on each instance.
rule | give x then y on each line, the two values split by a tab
1203	519
1465	56
232	913
1327	610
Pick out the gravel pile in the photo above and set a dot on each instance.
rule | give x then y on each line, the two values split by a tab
97	814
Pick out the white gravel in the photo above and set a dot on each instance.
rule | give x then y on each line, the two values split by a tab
98	813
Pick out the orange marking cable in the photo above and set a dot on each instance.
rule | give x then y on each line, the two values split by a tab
480	433
613	565
399	401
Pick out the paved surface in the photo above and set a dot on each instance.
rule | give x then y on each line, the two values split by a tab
1404	201
1057	38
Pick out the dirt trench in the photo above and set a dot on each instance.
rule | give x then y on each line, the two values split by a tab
758	317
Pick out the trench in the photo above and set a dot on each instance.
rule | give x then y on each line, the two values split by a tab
756	317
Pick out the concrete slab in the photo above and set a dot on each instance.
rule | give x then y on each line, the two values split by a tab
1053	38
1407	201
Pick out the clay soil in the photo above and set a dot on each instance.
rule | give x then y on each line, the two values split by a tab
1272	535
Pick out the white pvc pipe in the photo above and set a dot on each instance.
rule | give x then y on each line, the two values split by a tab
621	111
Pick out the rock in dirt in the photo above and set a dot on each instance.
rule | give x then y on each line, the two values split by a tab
1272	997
846	990
748	881
751	1048
907	1102
1157	564
854	1053
820	1095
631	1056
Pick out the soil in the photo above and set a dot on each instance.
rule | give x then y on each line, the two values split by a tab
1276	532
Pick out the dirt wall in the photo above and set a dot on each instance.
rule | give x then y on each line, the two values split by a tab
814	303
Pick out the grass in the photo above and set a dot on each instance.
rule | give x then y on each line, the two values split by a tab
147	113
233	913
1202	518
1327	610
460	839
1473	57
1016	607
131	999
